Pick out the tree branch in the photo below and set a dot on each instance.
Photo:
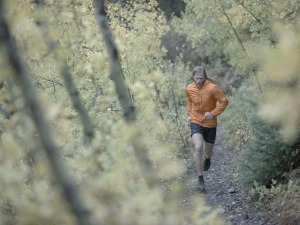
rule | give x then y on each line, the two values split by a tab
123	93
242	4
67	78
19	70
43	78
244	49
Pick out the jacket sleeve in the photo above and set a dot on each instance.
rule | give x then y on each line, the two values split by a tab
189	103
221	99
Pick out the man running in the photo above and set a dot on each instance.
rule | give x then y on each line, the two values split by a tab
205	101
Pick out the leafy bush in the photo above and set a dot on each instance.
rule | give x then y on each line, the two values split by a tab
237	118
105	171
282	199
262	155
266	157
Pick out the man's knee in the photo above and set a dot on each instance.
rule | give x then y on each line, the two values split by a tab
198	147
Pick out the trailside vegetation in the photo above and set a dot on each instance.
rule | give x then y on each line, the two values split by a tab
253	47
93	127
93	113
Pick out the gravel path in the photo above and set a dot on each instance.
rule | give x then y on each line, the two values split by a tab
224	192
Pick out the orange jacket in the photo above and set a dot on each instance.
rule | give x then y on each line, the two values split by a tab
205	99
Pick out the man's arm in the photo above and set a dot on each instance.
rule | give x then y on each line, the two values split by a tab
222	100
189	103
189	106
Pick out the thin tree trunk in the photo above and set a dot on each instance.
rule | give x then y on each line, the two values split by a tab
19	70
67	78
139	146
252	14
242	46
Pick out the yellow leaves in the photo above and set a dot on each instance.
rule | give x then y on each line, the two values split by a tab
49	2
283	61
4	96
142	207
27	30
65	3
67	17
202	209
53	112
17	12
237	12
140	91
41	169
283	110
14	169
167	169
137	31
99	61
283	71
109	163
9	147
42	205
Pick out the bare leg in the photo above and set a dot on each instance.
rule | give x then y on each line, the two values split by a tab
198	142
208	150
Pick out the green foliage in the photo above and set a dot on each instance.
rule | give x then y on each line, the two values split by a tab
282	199
106	170
260	40
228	34
230	38
266	157
171	7
171	102
282	71
237	119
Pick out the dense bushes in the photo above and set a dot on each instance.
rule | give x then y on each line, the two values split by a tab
224	36
105	170
281	199
262	154
266	157
237	119
268	166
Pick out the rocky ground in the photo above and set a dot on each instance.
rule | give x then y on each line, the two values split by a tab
224	192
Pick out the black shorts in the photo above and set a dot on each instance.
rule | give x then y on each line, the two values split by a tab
209	134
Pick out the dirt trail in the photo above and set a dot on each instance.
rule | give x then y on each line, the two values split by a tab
223	190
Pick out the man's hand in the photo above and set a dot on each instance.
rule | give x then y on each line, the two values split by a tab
188	120
208	115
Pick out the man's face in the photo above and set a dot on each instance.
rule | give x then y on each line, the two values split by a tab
199	79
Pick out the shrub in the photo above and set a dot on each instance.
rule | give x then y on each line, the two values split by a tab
237	118
282	200
266	157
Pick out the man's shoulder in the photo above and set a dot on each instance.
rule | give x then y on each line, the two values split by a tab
213	88
211	85
190	86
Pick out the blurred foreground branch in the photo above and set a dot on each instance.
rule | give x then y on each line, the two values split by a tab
19	70
66	75
139	146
